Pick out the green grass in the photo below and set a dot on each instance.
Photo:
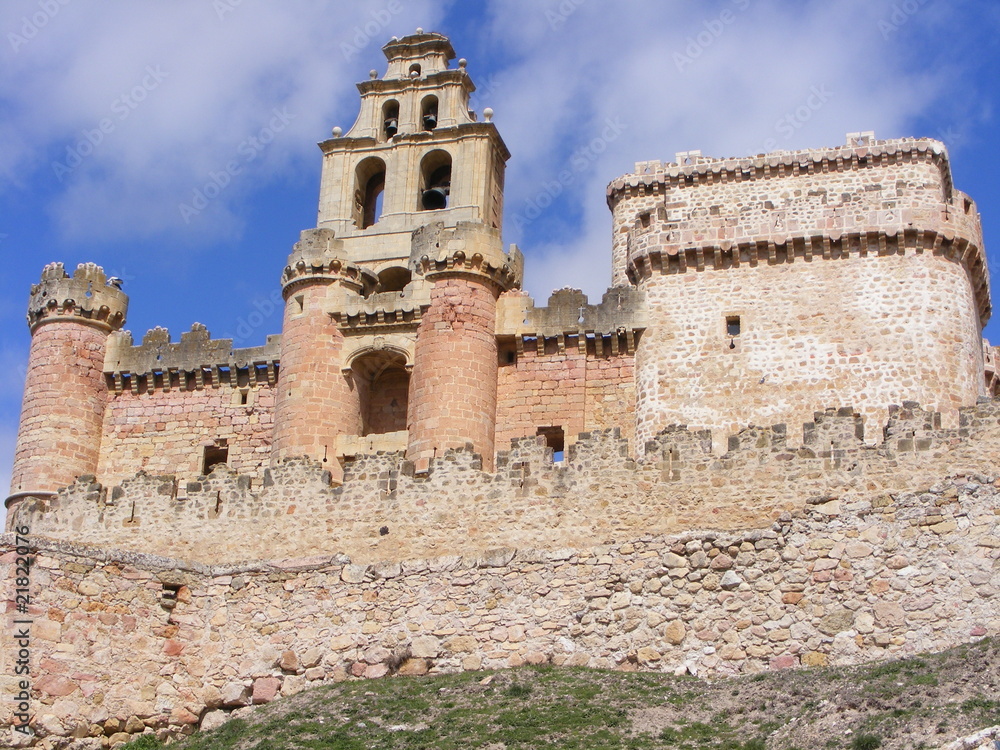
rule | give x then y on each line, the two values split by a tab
548	708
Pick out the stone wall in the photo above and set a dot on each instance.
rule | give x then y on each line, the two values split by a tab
122	641
386	511
875	329
64	401
885	186
167	431
563	382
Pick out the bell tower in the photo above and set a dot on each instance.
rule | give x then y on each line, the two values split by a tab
415	155
389	339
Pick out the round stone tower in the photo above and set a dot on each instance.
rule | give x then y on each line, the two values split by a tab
65	393
453	397
316	400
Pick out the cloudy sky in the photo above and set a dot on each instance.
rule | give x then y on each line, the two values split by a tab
114	114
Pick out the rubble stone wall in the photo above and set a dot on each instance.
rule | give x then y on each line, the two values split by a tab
385	510
876	330
123	641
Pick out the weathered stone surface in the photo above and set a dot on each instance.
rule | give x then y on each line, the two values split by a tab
235	694
837	621
425	647
675	632
265	689
213	720
289	662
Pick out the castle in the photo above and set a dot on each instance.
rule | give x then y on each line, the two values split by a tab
419	413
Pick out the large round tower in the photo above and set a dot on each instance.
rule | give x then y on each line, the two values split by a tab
65	393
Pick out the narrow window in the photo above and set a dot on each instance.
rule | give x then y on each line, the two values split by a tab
300	303
244	397
733	329
644	219
555	439
215	455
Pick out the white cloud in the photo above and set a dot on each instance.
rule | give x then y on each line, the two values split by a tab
179	87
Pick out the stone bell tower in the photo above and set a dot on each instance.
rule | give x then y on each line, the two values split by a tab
389	337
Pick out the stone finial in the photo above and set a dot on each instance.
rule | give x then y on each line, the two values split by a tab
89	296
488	114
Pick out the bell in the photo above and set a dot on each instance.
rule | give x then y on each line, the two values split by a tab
434	199
430	121
390	127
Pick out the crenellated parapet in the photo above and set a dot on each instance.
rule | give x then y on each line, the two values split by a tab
88	296
387	508
614	325
867	198
468	249
195	362
859	152
834	430
319	256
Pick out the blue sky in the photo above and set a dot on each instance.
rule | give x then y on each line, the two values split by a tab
182	89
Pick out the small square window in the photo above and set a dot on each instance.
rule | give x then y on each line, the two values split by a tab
214	455
733	326
555	438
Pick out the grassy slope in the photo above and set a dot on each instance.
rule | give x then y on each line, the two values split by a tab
920	702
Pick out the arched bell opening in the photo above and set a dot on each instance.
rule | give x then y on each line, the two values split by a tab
435	181
383	384
429	112
368	191
390	119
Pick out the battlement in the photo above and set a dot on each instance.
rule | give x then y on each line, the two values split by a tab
386	509
868	198
87	296
571	319
858	153
196	362
468	247
320	255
